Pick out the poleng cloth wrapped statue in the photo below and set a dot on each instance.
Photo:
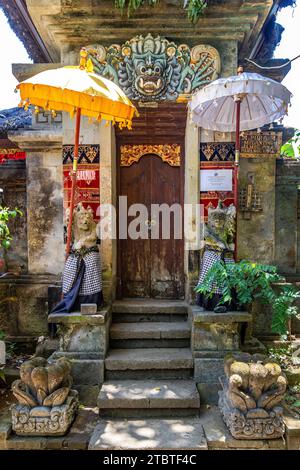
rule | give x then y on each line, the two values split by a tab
82	276
219	233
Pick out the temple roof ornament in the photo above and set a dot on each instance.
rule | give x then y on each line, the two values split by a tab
155	69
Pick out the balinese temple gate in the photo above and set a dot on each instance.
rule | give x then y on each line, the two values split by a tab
150	327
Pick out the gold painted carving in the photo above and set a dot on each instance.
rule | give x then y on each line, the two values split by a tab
169	153
266	143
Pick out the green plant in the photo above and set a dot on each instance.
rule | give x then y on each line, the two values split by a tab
195	8
5	214
288	149
284	310
245	282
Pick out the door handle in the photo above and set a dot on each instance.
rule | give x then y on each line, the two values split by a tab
150	223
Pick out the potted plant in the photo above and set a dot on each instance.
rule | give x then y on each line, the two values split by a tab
245	282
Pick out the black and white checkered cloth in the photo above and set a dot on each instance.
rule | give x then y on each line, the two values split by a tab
211	257
92	279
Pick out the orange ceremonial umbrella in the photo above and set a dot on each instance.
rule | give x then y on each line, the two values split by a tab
80	92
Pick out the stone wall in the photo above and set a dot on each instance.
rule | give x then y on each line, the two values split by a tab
287	247
256	236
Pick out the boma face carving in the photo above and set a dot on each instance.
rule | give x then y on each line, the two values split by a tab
149	72
155	69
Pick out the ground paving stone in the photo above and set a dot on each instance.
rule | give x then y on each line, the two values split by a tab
158	434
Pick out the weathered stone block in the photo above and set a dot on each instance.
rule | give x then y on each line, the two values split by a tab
85	335
88	309
208	370
209	393
87	371
215	336
79	338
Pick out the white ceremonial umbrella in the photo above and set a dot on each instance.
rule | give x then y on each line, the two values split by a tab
239	103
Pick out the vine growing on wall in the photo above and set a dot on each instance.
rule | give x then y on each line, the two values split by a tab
194	8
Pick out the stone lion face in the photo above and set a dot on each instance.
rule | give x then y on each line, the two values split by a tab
84	219
149	71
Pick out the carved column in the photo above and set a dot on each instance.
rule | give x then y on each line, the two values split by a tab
44	198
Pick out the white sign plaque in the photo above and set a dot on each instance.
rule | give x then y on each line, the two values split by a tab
216	180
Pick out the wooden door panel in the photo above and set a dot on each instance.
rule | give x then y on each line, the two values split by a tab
135	254
166	255
152	268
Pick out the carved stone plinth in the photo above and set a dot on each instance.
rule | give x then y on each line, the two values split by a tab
84	341
256	424
253	389
45	420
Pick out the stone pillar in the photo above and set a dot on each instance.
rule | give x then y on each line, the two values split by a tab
108	195
256	235
191	196
44	198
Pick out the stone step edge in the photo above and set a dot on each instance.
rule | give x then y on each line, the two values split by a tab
148	307
150	330
144	400
122	359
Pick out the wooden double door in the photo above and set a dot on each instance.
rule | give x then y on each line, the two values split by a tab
151	173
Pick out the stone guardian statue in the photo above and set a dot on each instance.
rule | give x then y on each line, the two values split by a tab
82	276
219	234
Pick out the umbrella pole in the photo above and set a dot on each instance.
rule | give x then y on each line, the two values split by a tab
73	174
236	168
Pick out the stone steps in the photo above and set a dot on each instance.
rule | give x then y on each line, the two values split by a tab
150	335
149	434
149	398
140	310
148	363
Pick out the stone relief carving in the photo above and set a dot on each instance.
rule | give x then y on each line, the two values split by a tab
253	389
169	153
155	69
46	403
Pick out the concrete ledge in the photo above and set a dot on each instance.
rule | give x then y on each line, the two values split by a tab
199	315
76	318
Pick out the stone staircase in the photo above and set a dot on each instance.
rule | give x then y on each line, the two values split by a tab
149	374
149	367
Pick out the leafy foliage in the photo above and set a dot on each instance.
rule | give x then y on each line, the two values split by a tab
288	149
283	309
245	282
249	281
195	8
5	215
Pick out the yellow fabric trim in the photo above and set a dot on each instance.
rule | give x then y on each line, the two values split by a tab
96	96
